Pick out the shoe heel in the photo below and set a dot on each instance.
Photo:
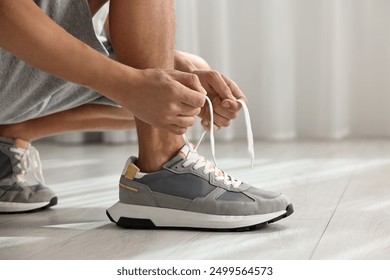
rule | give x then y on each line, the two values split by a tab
126	222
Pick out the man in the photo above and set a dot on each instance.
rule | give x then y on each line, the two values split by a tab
56	78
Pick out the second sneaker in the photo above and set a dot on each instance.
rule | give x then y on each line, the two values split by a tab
16	194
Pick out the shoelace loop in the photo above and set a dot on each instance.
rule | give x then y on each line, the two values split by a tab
194	157
28	158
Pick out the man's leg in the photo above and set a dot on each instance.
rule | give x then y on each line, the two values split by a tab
143	36
84	118
189	191
16	153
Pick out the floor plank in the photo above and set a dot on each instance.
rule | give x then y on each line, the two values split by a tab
360	227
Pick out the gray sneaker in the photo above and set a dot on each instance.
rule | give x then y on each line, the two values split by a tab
16	195
190	192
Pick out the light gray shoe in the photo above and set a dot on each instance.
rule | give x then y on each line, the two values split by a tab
190	192
17	195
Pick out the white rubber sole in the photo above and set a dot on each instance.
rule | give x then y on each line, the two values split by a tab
124	214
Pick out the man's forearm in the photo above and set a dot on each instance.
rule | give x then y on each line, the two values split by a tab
157	97
31	35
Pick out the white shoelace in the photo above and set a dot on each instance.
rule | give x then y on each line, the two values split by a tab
194	157
28	158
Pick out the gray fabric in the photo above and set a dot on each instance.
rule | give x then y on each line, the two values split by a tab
181	185
234	196
9	164
144	196
167	188
256	192
25	194
5	166
210	205
26	92
5	161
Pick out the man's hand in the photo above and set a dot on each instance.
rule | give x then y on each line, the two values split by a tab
223	94
222	91
168	100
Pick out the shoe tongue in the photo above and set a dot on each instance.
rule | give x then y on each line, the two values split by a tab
187	152
184	151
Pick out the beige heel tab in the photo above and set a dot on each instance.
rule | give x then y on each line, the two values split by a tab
131	171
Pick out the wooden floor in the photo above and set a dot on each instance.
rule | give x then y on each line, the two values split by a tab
340	191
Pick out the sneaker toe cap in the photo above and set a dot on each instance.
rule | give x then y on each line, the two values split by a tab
267	201
27	194
42	194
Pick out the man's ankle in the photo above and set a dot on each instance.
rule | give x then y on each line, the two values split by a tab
152	157
20	143
152	162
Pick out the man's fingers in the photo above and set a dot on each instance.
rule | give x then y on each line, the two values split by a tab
226	89
235	89
213	81
219	120
180	124
206	126
219	109
189	80
192	98
218	84
175	129
185	121
190	89
187	110
175	122
231	105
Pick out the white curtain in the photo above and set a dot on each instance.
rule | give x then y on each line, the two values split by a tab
310	68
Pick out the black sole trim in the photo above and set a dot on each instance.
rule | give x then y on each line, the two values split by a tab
132	223
51	203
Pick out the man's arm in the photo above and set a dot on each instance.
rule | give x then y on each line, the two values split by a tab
31	35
